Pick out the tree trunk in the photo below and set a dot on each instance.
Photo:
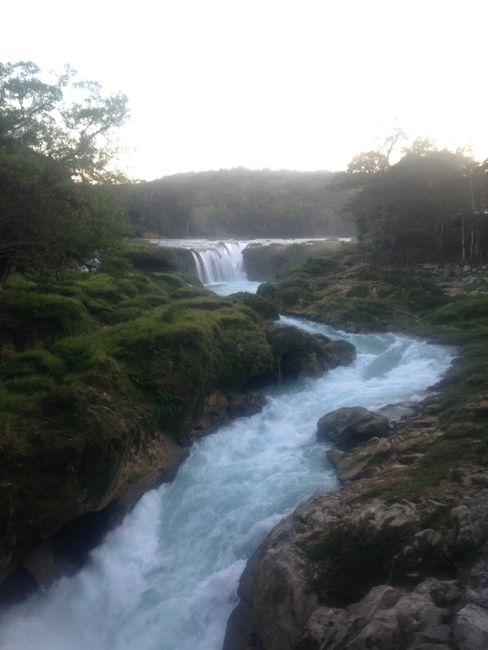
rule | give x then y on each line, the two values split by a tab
6	268
463	239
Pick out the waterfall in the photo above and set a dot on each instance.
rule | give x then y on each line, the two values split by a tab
215	261
220	262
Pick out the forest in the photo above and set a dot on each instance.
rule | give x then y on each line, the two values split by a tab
62	204
55	210
431	206
238	203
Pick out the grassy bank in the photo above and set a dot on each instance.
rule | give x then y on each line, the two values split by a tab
101	375
343	290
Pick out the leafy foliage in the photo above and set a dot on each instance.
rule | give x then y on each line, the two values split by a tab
52	215
238	203
431	205
35	114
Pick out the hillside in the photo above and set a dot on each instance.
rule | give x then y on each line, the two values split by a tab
238	203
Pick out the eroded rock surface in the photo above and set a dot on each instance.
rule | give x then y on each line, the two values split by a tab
298	354
348	427
350	571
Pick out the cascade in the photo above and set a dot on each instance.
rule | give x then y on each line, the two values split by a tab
166	579
220	262
215	261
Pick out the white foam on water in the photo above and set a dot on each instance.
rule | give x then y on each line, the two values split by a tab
166	579
219	263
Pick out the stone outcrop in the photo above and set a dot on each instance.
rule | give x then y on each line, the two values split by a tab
348	427
271	261
340	573
298	354
352	295
349	570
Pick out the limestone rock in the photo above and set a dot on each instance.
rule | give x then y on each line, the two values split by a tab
471	628
477	591
218	409
298	354
348	427
355	464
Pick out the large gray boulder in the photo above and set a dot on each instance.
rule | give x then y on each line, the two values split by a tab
471	628
298	354
348	427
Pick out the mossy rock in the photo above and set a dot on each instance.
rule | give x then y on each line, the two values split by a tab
150	258
183	293
257	303
30	319
298	354
273	261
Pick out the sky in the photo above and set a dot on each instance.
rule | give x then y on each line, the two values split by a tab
278	84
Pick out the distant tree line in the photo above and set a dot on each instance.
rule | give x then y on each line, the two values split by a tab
238	203
432	205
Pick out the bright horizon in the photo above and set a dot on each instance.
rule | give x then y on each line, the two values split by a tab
216	84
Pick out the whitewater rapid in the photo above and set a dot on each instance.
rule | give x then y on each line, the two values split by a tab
166	579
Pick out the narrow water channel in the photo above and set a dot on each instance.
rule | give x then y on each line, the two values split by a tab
166	579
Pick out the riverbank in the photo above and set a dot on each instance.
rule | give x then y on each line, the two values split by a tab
168	575
396	558
106	379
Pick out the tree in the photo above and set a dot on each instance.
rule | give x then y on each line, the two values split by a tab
47	221
368	162
391	141
54	211
427	207
36	115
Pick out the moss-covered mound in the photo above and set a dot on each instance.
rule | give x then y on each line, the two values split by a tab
263	307
104	378
273	261
341	290
149	258
95	370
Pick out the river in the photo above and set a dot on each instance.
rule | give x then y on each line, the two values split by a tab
166	578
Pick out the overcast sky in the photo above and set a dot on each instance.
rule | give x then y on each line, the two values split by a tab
298	84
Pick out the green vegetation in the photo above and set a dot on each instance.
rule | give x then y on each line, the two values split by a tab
464	418
55	212
430	206
96	368
349	293
273	261
238	203
342	290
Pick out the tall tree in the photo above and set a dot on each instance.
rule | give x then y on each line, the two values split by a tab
426	207
77	131
53	156
368	162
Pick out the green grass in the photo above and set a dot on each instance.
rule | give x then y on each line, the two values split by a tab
342	290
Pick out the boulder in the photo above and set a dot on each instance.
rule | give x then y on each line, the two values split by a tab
471	628
357	464
298	354
348	427
257	303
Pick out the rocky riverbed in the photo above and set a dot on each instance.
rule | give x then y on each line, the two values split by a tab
364	569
